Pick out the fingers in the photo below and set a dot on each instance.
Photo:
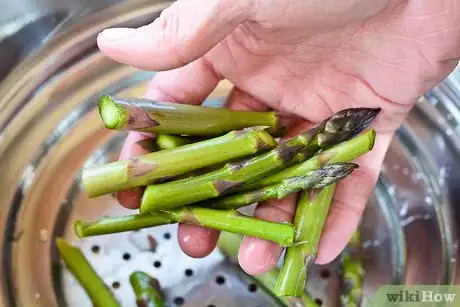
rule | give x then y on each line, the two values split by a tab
192	84
239	100
196	241
184	32
350	200
258	256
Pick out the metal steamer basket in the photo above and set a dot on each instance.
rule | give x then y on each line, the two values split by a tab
49	129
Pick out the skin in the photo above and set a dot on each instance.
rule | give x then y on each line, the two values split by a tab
308	58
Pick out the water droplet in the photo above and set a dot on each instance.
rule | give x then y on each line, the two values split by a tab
428	200
391	190
453	260
442	172
442	181
449	131
429	190
408	220
416	177
376	243
28	176
426	217
43	235
367	244
406	171
37	295
396	167
403	209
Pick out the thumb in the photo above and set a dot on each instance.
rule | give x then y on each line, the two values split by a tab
184	32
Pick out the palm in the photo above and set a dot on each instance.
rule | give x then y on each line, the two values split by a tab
369	63
309	58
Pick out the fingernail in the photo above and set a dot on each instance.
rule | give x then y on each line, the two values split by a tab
257	256
115	34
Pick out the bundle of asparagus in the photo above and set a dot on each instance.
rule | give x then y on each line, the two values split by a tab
247	166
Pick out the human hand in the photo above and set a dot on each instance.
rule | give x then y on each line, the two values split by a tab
309	58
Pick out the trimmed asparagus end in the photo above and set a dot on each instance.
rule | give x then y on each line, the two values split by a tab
372	136
79	229
113	116
264	140
62	244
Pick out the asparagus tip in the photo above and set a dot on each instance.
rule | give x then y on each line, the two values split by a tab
113	116
78	227
333	172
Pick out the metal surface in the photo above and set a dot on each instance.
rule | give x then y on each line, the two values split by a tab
49	129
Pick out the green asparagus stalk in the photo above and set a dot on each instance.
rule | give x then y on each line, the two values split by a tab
229	244
168	141
226	220
312	210
147	290
235	222
333	130
315	179
156	166
79	266
166	117
109	225
352	271
344	152
186	191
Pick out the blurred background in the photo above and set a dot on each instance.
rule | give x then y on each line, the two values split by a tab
51	76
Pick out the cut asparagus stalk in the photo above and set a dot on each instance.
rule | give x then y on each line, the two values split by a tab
312	210
182	192
147	290
168	141
235	222
343	152
166	117
109	225
156	166
229	244
315	179
226	220
353	272
79	266
230	178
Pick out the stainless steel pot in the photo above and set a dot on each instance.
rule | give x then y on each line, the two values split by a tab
49	129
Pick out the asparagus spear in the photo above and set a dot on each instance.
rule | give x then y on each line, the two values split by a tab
229	244
108	225
312	210
213	184
147	290
168	141
343	152
335	129
352	271
166	117
143	170
79	266
227	220
314	179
